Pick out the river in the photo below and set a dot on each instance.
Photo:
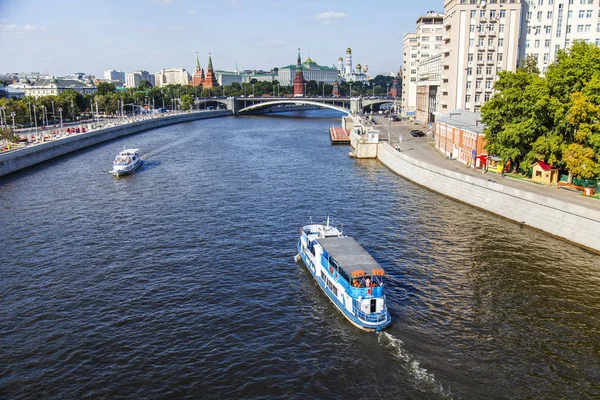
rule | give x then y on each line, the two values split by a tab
180	281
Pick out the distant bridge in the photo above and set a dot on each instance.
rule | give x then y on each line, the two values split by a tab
243	105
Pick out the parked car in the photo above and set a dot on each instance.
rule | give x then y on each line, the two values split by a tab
417	133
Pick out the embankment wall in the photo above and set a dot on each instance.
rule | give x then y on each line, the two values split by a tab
572	222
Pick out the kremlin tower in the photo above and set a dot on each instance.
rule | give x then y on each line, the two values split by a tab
395	89
299	79
198	77
336	91
210	80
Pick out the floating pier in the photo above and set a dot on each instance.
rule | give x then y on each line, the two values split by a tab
339	136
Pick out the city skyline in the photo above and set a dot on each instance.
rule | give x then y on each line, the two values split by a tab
156	34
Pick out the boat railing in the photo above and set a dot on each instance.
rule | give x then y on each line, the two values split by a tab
373	318
376	291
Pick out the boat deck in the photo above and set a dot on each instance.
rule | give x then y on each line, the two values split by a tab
349	254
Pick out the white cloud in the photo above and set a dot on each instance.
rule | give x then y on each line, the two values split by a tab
30	28
331	15
270	43
191	12
7	28
164	2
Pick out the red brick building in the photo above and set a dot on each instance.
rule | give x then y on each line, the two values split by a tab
210	80
198	77
299	78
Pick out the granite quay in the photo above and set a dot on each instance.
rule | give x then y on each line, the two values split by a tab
20	158
562	213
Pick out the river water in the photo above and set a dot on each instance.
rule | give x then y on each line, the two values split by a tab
180	281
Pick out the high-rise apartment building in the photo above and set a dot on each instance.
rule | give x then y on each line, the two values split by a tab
425	43
172	76
550	25
481	38
111	75
409	73
134	79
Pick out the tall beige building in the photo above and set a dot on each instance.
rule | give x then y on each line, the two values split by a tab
424	43
481	38
409	73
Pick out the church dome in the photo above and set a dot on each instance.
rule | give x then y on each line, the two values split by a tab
308	60
348	50
340	59
53	80
358	66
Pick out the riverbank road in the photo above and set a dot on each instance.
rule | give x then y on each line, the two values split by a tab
423	149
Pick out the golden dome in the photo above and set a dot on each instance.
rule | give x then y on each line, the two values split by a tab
308	60
340	59
348	50
358	66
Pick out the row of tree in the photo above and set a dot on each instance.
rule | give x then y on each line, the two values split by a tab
553	118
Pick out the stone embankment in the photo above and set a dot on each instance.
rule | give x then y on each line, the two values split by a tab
15	160
573	222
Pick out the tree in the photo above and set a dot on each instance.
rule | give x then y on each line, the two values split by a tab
106	87
144	85
516	116
187	101
529	65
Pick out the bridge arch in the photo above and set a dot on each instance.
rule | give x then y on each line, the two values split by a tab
271	103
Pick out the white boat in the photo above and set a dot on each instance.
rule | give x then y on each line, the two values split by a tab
347	274
126	162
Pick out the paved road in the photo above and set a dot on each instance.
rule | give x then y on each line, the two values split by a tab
423	148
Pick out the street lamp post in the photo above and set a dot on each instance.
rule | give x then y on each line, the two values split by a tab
72	111
12	115
53	114
1	121
373	89
253	90
277	90
35	120
61	124
387	94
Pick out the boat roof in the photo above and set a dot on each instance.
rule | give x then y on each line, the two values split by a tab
129	151
351	256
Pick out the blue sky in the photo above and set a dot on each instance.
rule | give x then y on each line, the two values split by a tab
63	37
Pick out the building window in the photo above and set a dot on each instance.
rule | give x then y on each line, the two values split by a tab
548	28
549	15
473	13
488	70
546	57
471	42
469	71
500	42
539	15
536	43
570	14
479	56
488	84
468	85
501	28
588	28
478	84
478	70
468	98
581	13
502	13
588	13
499	56
470	57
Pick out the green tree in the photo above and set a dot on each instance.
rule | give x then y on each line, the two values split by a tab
144	85
105	87
529	64
187	101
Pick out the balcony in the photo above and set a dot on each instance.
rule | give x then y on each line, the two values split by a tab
446	52
447	23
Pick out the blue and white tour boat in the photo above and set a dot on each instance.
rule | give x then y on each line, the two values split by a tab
347	274
126	162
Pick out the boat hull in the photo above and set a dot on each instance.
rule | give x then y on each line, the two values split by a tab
127	171
312	268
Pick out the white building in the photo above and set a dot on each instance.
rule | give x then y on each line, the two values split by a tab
480	40
428	84
419	46
550	25
133	79
112	75
311	72
172	76
410	64
347	73
51	87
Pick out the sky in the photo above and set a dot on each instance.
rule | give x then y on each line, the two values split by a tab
62	37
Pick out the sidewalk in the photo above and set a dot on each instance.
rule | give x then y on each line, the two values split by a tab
423	149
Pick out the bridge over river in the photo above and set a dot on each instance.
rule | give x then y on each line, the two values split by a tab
246	105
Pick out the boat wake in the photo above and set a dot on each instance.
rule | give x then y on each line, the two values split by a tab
423	380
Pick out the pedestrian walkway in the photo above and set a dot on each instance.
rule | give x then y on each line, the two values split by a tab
423	149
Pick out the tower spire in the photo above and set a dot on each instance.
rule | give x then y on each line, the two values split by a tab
209	62
298	61
197	61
